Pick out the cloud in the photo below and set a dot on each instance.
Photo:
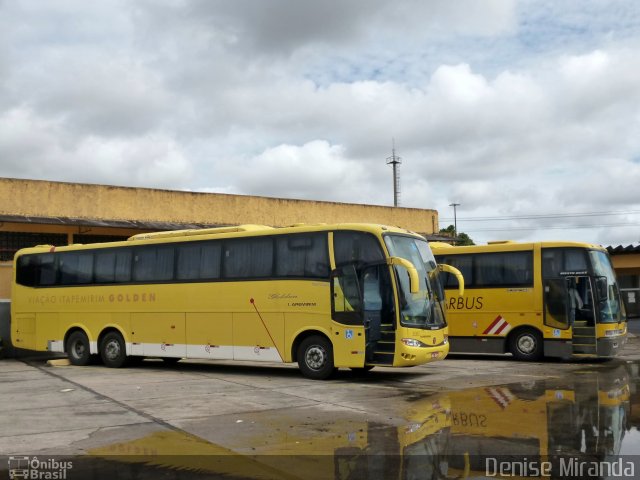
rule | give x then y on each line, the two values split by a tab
501	106
316	169
34	147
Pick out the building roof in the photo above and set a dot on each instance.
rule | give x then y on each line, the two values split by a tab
620	250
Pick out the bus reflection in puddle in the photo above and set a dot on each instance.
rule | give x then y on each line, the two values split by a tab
444	435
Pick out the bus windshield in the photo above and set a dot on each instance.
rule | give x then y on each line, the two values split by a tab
424	309
611	307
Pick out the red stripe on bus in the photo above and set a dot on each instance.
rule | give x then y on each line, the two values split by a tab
493	324
502	327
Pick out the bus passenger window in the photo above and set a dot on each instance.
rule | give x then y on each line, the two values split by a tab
48	270
248	258
356	247
75	268
199	261
153	264
302	255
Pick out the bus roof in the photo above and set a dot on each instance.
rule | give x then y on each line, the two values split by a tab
508	245
248	230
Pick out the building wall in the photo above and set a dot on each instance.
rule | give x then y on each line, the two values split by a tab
67	200
627	267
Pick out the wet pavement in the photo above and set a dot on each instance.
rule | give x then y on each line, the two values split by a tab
465	417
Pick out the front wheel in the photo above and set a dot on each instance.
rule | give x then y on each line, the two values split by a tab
113	350
315	358
526	345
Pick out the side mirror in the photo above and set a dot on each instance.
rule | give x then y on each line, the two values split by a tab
457	273
414	281
602	289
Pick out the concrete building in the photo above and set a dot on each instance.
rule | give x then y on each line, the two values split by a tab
34	212
626	261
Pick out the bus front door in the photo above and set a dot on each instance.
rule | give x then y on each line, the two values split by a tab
379	315
583	308
348	332
569	305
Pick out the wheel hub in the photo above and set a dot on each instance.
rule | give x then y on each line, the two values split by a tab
316	357
526	344
78	349
112	350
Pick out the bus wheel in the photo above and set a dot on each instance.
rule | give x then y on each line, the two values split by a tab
315	358
526	344
113	350
78	349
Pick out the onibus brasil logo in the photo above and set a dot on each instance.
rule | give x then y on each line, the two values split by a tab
38	469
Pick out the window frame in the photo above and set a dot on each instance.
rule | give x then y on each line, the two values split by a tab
32	278
474	282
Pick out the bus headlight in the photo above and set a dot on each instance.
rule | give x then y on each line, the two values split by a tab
412	342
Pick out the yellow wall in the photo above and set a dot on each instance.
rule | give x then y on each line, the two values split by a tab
628	263
101	202
6	270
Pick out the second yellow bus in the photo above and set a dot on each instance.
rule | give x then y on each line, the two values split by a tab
554	299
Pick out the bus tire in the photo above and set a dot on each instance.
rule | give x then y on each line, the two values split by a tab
113	350
315	358
526	344
78	349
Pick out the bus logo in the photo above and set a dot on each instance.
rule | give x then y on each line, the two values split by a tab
348	334
498	326
18	467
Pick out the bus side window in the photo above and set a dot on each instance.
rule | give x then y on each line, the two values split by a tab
556	299
153	264
248	258
302	255
48	269
76	268
199	261
356	247
462	263
346	295
27	270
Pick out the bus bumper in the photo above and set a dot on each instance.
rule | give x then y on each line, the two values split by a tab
411	356
610	347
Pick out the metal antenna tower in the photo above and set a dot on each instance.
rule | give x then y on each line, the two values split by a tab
395	162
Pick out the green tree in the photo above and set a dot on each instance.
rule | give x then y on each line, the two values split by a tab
461	238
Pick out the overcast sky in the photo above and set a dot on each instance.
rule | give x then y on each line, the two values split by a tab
509	108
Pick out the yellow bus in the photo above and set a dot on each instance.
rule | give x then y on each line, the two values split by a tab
580	417
324	296
554	299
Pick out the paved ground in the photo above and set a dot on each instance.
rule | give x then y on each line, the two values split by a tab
240	408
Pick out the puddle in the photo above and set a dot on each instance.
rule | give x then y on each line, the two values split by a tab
568	424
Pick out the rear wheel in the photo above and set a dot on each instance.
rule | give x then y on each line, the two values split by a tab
113	350
526	344
78	349
315	358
